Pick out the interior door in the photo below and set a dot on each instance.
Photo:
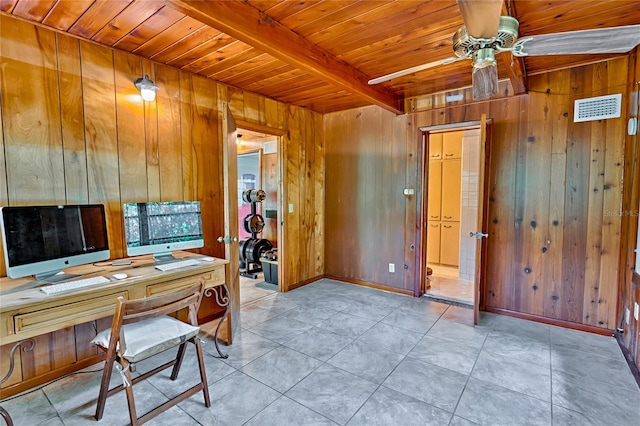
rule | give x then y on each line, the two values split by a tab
482	226
231	215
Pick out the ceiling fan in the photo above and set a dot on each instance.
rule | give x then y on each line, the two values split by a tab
486	33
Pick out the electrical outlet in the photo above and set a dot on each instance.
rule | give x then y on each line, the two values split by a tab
392	267
290	208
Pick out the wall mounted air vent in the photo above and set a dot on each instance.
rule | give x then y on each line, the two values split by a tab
598	108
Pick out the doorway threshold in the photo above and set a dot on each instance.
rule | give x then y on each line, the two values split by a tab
448	300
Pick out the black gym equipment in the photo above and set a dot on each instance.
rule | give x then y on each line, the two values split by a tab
251	249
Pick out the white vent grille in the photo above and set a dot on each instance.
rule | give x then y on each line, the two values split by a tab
598	108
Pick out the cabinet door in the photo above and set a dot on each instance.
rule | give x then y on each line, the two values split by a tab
435	146
433	242
435	190
450	243
452	145
451	182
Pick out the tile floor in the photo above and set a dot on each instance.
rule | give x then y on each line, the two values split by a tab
252	289
334	353
445	285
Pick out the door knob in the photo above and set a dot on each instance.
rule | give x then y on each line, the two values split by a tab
479	235
227	239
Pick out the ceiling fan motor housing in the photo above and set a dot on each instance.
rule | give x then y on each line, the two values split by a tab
465	45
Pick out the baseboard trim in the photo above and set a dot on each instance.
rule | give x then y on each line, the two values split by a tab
371	285
552	321
41	379
305	282
627	356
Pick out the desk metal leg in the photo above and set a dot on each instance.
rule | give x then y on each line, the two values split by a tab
222	300
4	413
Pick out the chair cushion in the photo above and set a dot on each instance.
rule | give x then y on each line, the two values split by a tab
149	337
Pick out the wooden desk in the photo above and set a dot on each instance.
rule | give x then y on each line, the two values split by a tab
62	325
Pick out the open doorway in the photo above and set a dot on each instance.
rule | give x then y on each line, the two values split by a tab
455	164
452	208
258	172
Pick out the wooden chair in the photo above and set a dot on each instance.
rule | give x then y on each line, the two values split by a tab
143	328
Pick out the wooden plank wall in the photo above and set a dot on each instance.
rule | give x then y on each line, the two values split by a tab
75	130
303	163
628	292
365	206
556	189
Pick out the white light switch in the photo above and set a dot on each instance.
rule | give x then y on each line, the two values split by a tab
636	310
291	208
392	267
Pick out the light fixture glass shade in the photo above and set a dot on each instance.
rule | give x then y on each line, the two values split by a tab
146	87
485	82
148	94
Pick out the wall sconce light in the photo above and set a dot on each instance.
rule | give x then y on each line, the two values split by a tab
146	87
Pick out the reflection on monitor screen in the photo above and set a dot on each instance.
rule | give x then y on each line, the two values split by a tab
42	240
159	228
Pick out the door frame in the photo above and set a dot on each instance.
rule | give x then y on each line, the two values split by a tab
281	231
423	182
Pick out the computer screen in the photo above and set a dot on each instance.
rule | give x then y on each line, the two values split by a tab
42	240
159	228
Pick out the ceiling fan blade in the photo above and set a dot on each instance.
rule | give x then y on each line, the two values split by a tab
485	82
599	40
481	17
414	69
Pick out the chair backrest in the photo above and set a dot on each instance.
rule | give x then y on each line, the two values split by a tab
161	304
131	311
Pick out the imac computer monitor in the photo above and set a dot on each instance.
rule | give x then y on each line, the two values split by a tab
159	228
42	240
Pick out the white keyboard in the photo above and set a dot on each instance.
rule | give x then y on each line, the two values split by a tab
73	285
178	264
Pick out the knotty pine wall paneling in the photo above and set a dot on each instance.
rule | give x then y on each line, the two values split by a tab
206	157
302	145
170	152
31	114
628	292
553	247
101	138
72	120
131	131
502	184
365	177
151	136
74	130
551	182
292	220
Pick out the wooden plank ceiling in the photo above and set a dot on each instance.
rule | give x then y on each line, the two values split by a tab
317	54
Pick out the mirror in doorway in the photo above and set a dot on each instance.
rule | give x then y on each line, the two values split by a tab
248	178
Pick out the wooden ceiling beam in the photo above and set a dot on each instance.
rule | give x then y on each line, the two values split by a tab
255	28
514	64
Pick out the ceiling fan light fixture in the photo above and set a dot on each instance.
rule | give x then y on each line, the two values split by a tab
484	58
